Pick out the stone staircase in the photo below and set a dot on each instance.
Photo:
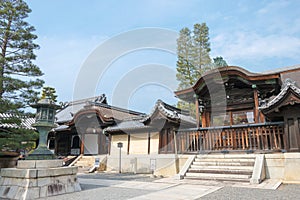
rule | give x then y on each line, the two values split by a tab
222	167
85	163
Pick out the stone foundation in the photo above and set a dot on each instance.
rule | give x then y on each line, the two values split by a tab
33	179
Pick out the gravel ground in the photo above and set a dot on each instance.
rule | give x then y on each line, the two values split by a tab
289	192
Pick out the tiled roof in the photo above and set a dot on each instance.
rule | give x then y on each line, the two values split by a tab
116	113
288	85
26	122
166	110
66	114
171	112
128	126
283	69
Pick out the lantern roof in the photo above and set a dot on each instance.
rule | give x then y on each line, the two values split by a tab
45	103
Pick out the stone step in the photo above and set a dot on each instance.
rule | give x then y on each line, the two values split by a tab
214	163
198	167
83	163
225	160
252	156
223	171
218	179
212	176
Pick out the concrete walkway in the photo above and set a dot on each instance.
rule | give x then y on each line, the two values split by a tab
115	186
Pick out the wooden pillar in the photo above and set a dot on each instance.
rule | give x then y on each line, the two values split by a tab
175	140
82	144
149	142
207	118
203	119
128	144
256	111
197	111
231	118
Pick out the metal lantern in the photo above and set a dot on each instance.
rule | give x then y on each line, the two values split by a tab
45	117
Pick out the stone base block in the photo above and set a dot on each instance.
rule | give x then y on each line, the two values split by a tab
32	164
34	183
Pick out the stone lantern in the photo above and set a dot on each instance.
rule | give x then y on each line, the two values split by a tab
45	116
40	175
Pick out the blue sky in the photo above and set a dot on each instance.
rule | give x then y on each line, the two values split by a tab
258	35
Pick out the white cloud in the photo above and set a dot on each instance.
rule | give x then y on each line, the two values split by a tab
243	45
273	6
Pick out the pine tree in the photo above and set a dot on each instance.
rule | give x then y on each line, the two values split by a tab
19	80
49	93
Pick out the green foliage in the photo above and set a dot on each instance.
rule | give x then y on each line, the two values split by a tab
16	139
18	73
49	93
201	49
187	106
193	55
193	50
185	68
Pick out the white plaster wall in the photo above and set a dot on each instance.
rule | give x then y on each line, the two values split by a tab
138	143
154	143
114	144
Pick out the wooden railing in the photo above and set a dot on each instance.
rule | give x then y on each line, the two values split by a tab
250	137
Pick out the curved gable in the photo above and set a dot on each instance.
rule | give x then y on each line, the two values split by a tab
289	95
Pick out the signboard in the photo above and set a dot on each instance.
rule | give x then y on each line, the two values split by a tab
120	144
97	162
152	164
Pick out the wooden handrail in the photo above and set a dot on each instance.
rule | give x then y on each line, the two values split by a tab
254	137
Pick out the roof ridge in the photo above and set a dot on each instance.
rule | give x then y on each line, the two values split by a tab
79	101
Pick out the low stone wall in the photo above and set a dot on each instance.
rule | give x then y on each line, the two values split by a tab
163	164
36	179
283	166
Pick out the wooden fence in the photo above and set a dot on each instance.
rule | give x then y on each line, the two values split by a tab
250	137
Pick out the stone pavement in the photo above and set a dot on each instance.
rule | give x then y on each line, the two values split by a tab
128	186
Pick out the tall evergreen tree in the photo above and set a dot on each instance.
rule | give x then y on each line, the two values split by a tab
201	49
193	50
185	68
18	74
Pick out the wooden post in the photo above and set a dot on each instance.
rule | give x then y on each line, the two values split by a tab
197	112
256	112
82	144
203	119
175	141
231	118
207	119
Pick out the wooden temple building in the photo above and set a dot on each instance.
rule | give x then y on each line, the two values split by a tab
256	115
81	125
244	111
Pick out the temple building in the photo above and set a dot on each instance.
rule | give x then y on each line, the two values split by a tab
246	126
81	125
244	111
